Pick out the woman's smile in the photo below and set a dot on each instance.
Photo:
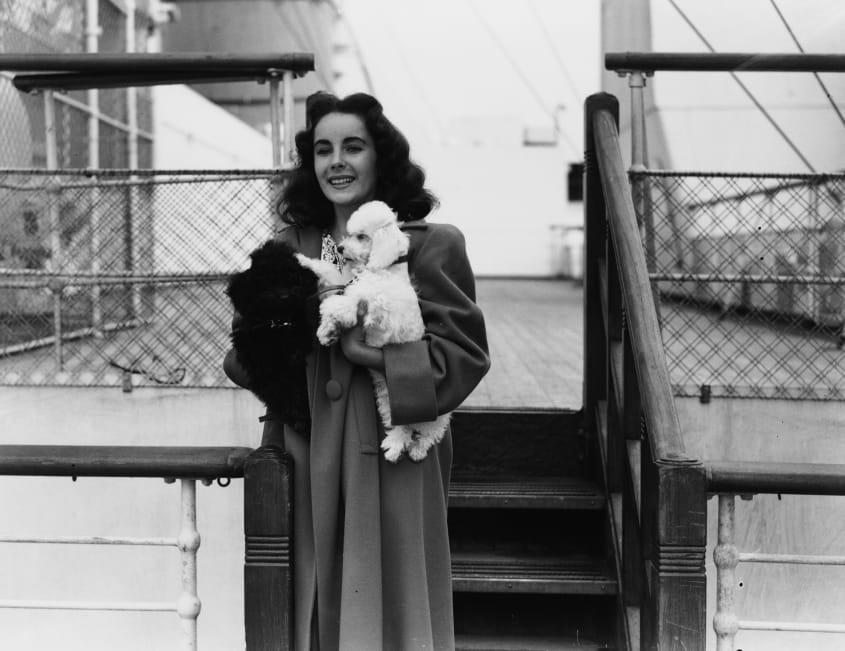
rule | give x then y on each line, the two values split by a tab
341	181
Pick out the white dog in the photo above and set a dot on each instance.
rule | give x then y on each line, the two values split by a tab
381	290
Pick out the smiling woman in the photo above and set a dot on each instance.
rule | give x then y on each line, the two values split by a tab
371	548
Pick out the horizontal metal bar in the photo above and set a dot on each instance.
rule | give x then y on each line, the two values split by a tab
723	62
91	540
749	278
200	174
145	606
166	62
102	117
790	559
749	625
57	282
34	344
66	81
801	178
749	477
122	461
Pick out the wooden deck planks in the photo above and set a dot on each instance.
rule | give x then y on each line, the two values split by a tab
535	333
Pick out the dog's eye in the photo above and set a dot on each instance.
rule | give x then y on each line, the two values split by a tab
361	237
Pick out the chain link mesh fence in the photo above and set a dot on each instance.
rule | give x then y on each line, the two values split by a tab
119	279
750	274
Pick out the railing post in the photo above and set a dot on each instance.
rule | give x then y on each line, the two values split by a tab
188	607
595	233
268	568
675	569
726	558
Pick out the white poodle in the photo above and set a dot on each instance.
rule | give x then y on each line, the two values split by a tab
381	290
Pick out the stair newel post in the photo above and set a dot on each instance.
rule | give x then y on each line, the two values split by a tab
675	570
268	561
595	237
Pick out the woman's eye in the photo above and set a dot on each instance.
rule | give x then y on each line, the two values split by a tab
322	151
354	148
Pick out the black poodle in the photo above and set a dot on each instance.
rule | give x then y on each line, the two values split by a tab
275	300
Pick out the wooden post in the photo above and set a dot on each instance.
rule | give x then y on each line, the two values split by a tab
676	569
595	232
268	562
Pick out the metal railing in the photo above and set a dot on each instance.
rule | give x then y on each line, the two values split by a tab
747	479
747	270
116	277
84	305
658	493
268	580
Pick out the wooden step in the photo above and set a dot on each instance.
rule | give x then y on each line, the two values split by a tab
491	571
523	643
566	493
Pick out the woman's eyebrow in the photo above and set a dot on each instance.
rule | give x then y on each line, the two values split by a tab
355	139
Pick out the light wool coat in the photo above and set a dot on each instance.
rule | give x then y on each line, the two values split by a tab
371	548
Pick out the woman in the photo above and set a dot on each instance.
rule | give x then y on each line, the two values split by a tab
371	548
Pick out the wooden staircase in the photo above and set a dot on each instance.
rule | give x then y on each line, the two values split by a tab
531	562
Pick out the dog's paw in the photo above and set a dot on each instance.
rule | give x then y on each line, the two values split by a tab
328	332
393	452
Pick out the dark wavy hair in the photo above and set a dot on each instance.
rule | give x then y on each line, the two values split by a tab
400	183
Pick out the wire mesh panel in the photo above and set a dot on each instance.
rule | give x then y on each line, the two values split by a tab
751	277
120	278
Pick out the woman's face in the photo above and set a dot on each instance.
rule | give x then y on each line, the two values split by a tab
345	160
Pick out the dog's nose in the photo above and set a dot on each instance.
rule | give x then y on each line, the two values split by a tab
340	249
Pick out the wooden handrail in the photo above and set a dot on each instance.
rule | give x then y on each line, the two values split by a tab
771	477
714	62
662	422
123	461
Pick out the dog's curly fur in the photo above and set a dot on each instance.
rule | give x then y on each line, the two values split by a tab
276	329
383	292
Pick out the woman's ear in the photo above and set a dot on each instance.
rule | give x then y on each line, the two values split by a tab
389	242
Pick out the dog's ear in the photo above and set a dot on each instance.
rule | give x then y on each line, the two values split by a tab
388	244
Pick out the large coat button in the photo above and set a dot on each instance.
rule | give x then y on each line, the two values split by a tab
334	390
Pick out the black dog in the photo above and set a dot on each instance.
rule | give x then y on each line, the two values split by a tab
276	329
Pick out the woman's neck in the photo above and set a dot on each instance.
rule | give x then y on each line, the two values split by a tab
341	217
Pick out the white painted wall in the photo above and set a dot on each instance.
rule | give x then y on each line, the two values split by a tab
194	133
509	201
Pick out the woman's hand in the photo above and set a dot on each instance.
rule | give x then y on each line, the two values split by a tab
358	351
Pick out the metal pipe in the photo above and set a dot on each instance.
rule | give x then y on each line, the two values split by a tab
132	163
287	81
92	34
90	540
791	559
51	147
724	61
188	605
725	556
164	62
146	606
275	121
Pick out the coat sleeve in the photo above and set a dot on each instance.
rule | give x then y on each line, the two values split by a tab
433	376
231	366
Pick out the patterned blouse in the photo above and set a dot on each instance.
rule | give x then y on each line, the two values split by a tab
329	252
